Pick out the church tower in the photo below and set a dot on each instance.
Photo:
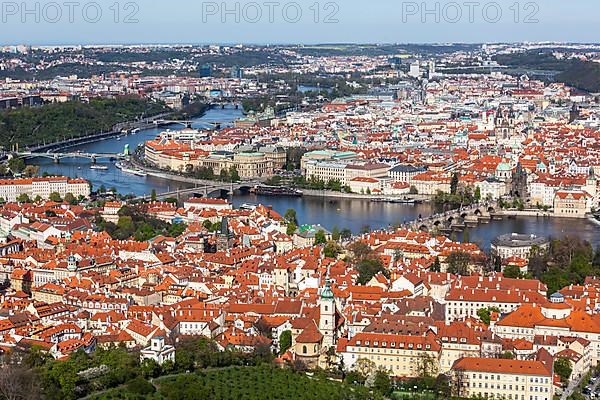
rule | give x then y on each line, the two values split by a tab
224	236
327	315
591	186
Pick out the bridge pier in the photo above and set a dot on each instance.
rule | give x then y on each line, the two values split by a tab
93	159
56	159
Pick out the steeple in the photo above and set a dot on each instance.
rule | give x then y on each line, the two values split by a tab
327	314
327	293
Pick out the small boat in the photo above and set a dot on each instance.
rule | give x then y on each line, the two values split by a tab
99	167
119	138
134	131
248	206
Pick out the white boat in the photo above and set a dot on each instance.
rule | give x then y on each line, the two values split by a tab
135	130
132	171
248	206
99	167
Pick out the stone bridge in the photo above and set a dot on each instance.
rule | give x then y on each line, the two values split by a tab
214	189
459	219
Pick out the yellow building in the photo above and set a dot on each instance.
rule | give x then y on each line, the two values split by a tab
572	203
495	378
400	355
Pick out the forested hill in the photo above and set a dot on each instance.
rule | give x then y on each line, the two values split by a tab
59	121
584	75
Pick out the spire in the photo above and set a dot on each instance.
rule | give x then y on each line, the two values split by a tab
327	293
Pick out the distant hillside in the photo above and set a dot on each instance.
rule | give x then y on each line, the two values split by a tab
582	75
53	122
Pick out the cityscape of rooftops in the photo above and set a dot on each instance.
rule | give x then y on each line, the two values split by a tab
300	200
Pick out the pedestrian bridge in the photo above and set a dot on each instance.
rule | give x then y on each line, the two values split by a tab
459	219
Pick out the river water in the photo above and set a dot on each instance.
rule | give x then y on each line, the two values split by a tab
343	213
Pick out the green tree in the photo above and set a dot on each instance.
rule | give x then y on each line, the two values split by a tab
477	195
320	237
382	383
485	314
153	195
291	228
512	271
346	234
23	198
140	386
290	216
234	174
285	341
369	267
70	198
332	249
335	233
31	170
562	367
55	196
458	262
224	175
149	368
16	165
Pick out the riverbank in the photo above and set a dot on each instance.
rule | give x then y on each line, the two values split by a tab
117	130
361	196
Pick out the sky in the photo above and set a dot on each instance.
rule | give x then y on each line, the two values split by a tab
297	21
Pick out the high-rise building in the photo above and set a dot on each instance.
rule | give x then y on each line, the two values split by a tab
237	72
205	71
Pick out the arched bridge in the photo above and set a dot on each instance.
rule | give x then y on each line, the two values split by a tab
188	124
459	219
58	156
213	189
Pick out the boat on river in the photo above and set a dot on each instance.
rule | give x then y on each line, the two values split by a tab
99	167
128	170
275	191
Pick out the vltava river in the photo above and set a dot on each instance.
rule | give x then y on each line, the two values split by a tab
343	213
